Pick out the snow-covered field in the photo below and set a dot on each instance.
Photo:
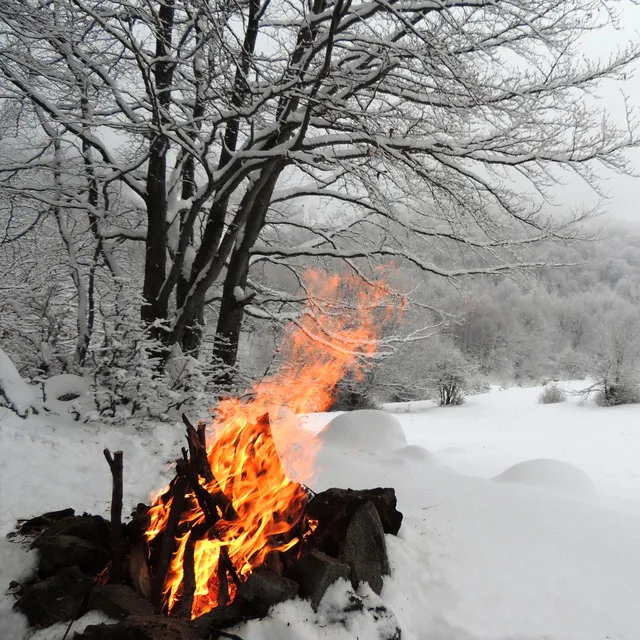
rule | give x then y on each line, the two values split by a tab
539	551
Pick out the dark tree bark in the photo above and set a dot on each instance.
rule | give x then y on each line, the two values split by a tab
155	308
231	314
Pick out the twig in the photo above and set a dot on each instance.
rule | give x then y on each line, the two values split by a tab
116	466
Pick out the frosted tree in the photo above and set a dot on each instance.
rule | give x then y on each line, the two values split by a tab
410	131
614	358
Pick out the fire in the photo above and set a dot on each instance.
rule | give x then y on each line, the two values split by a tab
336	332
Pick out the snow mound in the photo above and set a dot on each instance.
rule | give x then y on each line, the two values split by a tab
364	430
16	393
557	476
415	453
66	393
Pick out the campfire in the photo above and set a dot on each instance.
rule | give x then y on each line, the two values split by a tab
237	529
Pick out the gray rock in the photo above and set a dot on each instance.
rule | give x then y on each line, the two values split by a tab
118	601
39	523
331	505
222	617
60	551
315	572
143	628
364	548
262	589
56	599
91	528
110	632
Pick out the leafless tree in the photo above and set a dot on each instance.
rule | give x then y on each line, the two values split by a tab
424	131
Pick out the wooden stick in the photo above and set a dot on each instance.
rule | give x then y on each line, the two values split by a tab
198	449
224	554
209	502
139	568
273	562
116	466
168	539
198	532
223	582
189	577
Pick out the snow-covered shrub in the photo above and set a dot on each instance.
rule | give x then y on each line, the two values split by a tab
15	393
448	372
552	394
615	394
186	381
127	379
36	329
451	387
477	383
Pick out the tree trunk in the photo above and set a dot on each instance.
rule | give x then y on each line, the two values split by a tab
193	332
231	314
156	197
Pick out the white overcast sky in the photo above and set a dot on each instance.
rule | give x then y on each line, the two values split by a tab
623	191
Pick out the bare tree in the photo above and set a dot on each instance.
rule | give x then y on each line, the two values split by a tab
417	125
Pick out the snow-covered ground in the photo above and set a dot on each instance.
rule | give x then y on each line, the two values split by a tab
539	551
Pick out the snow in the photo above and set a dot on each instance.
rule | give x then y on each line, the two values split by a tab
59	392
532	555
14	391
556	476
336	618
364	430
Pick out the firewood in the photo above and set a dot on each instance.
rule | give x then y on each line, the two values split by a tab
223	583
273	562
198	449
168	539
116	467
139	574
209	502
231	570
189	577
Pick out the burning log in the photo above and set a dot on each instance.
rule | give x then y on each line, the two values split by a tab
231	570
189	580
274	562
168	541
223	582
199	466
139	569
116	467
196	438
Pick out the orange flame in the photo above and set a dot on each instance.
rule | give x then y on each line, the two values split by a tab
337	331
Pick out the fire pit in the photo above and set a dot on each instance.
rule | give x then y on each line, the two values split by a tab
207	551
236	530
